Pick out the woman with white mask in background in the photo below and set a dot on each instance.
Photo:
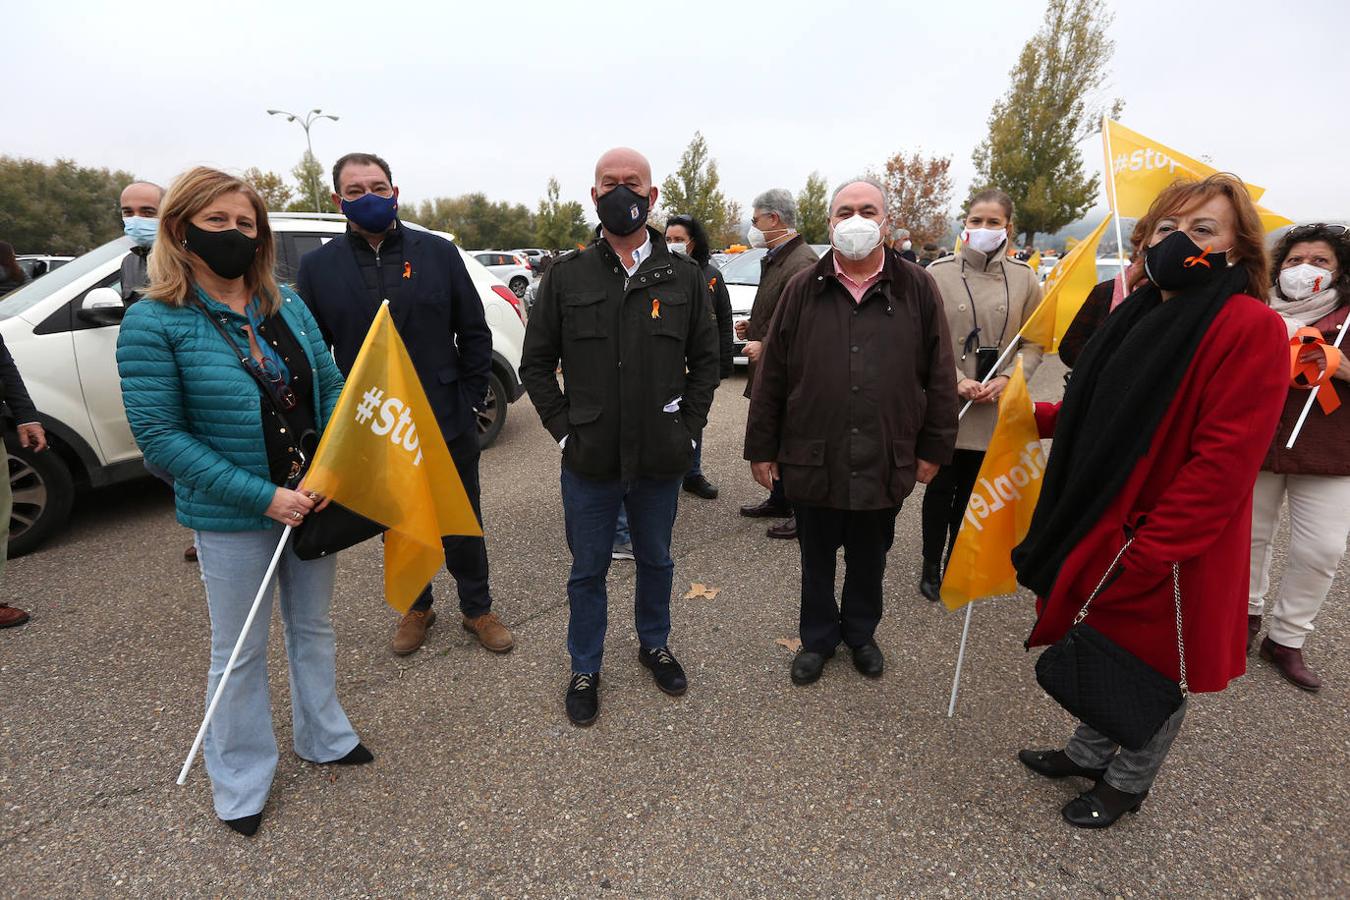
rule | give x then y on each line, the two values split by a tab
1311	289
988	296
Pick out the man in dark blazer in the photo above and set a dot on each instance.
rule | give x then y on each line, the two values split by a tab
440	317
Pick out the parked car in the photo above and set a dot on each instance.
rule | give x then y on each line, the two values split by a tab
39	264
532	254
62	331
512	268
741	275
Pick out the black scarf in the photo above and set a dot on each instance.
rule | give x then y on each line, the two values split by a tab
1119	391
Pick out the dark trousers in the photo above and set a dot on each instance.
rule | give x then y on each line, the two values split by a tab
779	496
944	503
866	536
591	511
466	557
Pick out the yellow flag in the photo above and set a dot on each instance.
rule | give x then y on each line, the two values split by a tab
1001	505
1138	168
1066	288
1035	262
383	456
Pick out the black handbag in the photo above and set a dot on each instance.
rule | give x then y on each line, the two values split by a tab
1104	685
321	533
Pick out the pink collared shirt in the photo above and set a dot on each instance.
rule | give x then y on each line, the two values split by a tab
858	288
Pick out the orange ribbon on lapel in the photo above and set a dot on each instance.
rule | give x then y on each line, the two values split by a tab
1307	375
407	270
656	308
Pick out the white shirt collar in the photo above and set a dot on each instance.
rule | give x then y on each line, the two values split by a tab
639	255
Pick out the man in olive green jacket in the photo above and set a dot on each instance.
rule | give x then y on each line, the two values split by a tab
773	227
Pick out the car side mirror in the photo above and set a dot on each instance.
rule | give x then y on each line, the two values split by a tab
102	306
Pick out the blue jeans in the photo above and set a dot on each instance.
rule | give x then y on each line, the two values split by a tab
240	748
622	534
696	467
591	510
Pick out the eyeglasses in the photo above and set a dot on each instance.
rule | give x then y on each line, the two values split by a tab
269	370
1316	227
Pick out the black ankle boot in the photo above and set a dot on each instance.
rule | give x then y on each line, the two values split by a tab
245	825
1101	806
930	582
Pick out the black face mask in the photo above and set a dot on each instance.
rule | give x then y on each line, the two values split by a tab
227	253
1176	264
622	211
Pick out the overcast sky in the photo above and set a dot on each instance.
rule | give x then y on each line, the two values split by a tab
496	97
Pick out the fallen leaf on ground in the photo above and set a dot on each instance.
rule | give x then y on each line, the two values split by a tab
793	644
700	591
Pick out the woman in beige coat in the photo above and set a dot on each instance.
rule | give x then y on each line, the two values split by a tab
988	296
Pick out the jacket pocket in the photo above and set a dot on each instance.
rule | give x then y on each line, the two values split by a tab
581	419
902	474
668	314
801	465
581	315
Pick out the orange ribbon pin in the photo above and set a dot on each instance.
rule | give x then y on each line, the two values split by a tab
1306	374
1192	261
656	308
407	270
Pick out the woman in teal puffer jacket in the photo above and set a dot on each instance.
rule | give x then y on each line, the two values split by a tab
197	413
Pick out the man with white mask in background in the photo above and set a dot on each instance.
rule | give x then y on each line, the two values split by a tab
140	220
855	401
772	227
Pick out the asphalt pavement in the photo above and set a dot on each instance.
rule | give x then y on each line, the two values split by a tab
745	787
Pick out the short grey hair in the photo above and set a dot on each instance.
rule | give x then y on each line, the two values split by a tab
780	203
863	179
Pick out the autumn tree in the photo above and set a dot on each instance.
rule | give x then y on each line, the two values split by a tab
274	190
1051	105
919	190
694	190
314	194
558	224
59	207
813	210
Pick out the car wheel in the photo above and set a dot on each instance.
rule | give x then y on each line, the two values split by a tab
43	495
492	416
519	286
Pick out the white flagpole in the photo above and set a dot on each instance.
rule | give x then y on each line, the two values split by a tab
1115	202
1016	342
1307	407
238	645
960	659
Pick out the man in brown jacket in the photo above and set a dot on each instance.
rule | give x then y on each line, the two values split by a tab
773	226
854	401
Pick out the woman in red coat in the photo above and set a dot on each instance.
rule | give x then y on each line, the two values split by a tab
1164	424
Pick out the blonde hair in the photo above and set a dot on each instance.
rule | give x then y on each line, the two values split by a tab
170	264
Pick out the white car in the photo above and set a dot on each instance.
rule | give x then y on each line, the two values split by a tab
741	275
38	264
516	270
62	331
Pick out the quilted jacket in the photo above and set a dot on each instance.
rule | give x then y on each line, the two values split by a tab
195	412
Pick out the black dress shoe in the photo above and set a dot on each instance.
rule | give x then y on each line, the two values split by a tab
666	670
766	510
245	825
357	756
868	660
930	582
784	531
1056	764
807	666
583	698
701	487
1101	806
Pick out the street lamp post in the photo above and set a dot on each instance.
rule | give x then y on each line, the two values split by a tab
309	119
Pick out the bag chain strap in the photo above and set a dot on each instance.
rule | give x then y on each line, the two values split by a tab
1176	599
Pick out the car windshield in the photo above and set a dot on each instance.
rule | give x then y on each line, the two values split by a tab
17	302
743	268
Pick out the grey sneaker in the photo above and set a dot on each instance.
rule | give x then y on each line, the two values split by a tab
622	551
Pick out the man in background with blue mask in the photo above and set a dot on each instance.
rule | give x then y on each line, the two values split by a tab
140	220
440	318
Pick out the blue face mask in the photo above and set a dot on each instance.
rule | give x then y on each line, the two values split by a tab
371	211
140	229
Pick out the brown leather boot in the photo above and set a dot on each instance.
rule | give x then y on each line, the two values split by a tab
412	631
490	631
1289	662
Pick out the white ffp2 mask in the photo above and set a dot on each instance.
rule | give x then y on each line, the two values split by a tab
855	237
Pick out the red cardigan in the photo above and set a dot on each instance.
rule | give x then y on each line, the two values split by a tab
1193	491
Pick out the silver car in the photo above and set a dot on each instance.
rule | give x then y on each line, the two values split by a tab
512	268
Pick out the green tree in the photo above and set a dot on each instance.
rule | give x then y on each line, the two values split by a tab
920	194
1051	105
693	190
558	224
813	210
274	190
314	193
476	222
59	207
